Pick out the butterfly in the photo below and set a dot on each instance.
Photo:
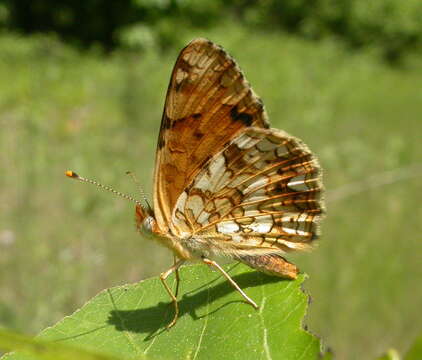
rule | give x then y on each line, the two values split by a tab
225	183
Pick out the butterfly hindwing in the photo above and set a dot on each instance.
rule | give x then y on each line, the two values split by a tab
208	103
260	195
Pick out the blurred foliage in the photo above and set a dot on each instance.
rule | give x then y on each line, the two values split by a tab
392	27
415	351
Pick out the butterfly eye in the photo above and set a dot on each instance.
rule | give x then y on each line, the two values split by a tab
147	228
148	223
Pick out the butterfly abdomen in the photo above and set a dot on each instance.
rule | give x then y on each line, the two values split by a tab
271	264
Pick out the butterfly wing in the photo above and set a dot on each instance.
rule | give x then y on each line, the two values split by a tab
255	200
208	103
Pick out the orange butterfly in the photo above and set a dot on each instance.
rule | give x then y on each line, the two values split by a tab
225	184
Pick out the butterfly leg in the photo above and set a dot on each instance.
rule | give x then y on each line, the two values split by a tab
231	281
176	273
163	277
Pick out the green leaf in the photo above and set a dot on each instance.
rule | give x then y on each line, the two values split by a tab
45	350
215	322
391	354
415	352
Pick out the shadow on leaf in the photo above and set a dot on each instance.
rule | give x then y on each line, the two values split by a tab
151	319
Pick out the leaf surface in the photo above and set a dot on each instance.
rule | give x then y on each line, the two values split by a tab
46	350
214	323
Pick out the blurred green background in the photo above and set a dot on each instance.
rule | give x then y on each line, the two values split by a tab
82	87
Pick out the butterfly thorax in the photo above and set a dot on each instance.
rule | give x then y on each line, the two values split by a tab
148	227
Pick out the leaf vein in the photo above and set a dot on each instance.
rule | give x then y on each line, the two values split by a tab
265	332
126	332
204	327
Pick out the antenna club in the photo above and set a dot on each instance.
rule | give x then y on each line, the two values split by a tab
71	174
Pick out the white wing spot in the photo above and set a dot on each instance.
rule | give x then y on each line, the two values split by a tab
265	145
217	165
211	178
237	238
180	75
256	184
196	204
203	218
282	151
238	180
227	227
295	232
245	142
298	183
181	202
262	224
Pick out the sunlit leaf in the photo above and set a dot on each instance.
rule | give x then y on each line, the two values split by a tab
46	350
415	352
215	322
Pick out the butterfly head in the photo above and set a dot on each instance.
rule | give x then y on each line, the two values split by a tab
145	221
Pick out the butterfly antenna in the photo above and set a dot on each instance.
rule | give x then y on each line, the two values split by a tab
143	196
75	176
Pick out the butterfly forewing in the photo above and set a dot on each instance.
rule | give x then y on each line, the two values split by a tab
208	103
